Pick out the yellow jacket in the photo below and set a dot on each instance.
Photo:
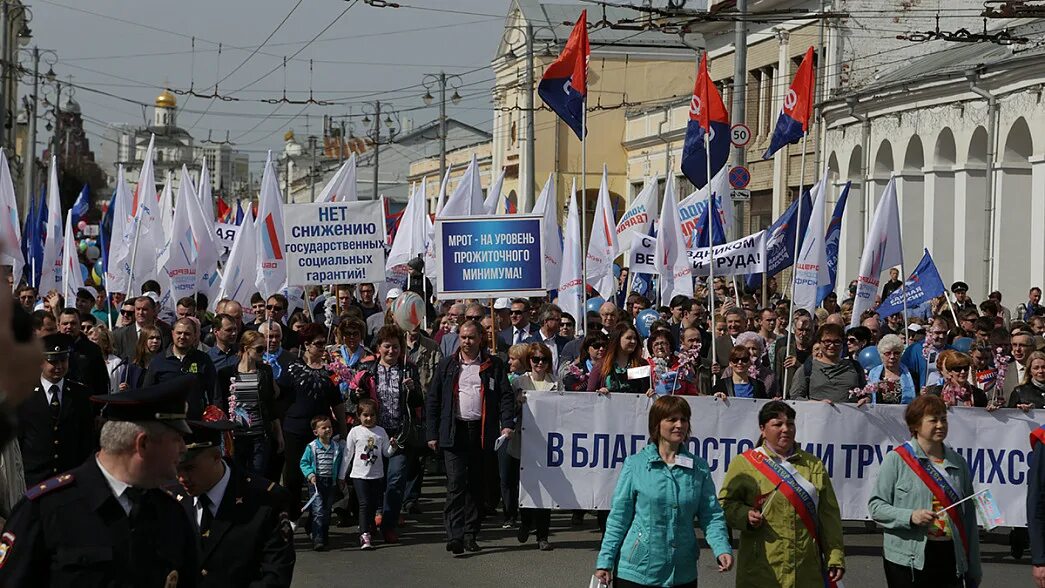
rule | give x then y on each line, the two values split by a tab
781	553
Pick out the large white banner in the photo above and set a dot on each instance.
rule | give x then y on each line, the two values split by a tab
334	242
574	444
743	256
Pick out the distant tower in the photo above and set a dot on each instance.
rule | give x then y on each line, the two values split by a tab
164	116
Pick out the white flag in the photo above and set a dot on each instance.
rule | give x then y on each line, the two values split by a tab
467	198
71	274
412	235
272	274
205	197
493	195
165	211
10	229
441	198
144	236
207	250
547	205
811	269
177	260
119	251
692	206
672	260
642	257
640	216
882	249
571	285
51	266
241	269
341	187
602	246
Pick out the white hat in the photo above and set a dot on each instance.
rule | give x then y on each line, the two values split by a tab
502	304
915	327
393	293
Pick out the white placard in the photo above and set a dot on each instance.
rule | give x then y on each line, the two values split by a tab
334	242
743	256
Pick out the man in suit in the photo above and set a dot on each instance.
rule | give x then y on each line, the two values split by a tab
106	522
550	319
1022	344
126	338
245	534
56	423
521	328
86	363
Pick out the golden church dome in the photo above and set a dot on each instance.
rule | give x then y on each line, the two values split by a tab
166	100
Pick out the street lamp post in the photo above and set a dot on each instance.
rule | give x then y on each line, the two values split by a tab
441	79
392	128
29	156
24	34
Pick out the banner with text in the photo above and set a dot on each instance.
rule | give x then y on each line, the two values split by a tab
226	236
573	446
743	256
489	257
643	255
334	242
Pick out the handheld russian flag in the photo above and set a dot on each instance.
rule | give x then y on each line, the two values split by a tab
564	85
707	114
793	122
224	210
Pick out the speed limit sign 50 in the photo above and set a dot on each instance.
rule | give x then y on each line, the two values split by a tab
739	135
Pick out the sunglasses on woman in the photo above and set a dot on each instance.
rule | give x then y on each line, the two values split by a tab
259	349
540	359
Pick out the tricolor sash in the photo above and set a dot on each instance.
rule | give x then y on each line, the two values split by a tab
1037	436
791	485
940	488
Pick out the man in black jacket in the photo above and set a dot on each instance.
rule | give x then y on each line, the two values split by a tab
469	406
86	363
244	529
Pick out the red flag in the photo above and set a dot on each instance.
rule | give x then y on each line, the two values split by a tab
223	210
706	106
798	102
564	85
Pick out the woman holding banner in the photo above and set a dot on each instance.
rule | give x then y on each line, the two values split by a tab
955	389
928	541
649	538
781	500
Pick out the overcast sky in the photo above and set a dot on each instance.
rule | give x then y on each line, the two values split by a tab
132	48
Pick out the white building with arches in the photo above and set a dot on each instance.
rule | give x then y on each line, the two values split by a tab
963	132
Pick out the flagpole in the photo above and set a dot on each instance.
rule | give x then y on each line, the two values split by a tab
903	294
711	248
584	210
794	261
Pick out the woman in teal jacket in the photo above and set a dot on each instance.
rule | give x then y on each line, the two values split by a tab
649	537
920	547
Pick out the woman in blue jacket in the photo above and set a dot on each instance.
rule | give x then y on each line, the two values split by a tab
649	537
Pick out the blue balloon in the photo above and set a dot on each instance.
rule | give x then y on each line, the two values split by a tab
85	272
644	320
963	344
593	304
869	357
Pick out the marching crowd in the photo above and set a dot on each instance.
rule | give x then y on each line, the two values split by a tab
339	408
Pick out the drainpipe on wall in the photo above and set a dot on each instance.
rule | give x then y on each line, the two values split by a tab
667	143
988	210
865	165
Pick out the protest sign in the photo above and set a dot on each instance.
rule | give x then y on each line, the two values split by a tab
489	257
743	256
642	255
225	236
573	446
334	242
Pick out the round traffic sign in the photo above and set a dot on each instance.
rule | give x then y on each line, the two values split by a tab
739	134
739	177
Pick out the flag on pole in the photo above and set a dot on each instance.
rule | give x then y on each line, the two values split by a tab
224	210
72	276
640	216
412	235
547	205
602	246
207	250
793	122
441	197
51	270
239	212
923	285
699	236
494	194
882	249
206	198
467	198
177	259
693	207
707	114
341	187
117	260
144	236
834	235
165	211
571	285
672	258
241	269
780	240
82	204
811	271
564	85
272	273
10	231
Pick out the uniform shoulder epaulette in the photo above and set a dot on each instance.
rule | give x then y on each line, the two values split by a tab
50	485
177	492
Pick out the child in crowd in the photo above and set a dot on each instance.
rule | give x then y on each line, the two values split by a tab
321	463
366	448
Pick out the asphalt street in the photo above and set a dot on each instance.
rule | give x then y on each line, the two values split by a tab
421	559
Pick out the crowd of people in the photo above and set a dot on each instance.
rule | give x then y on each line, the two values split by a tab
336	410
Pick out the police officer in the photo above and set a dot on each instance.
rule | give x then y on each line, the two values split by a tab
962	302
244	530
56	422
107	522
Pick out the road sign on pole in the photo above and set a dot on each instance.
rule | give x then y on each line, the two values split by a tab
739	177
739	134
741	195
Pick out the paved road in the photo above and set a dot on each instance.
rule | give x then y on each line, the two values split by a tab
421	558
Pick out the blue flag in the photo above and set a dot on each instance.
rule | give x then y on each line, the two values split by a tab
105	232
699	239
239	212
924	284
780	239
834	234
83	202
33	238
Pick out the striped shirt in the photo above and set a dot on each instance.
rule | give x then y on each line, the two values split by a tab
324	458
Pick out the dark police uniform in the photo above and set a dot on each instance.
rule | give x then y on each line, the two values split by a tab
73	530
57	435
